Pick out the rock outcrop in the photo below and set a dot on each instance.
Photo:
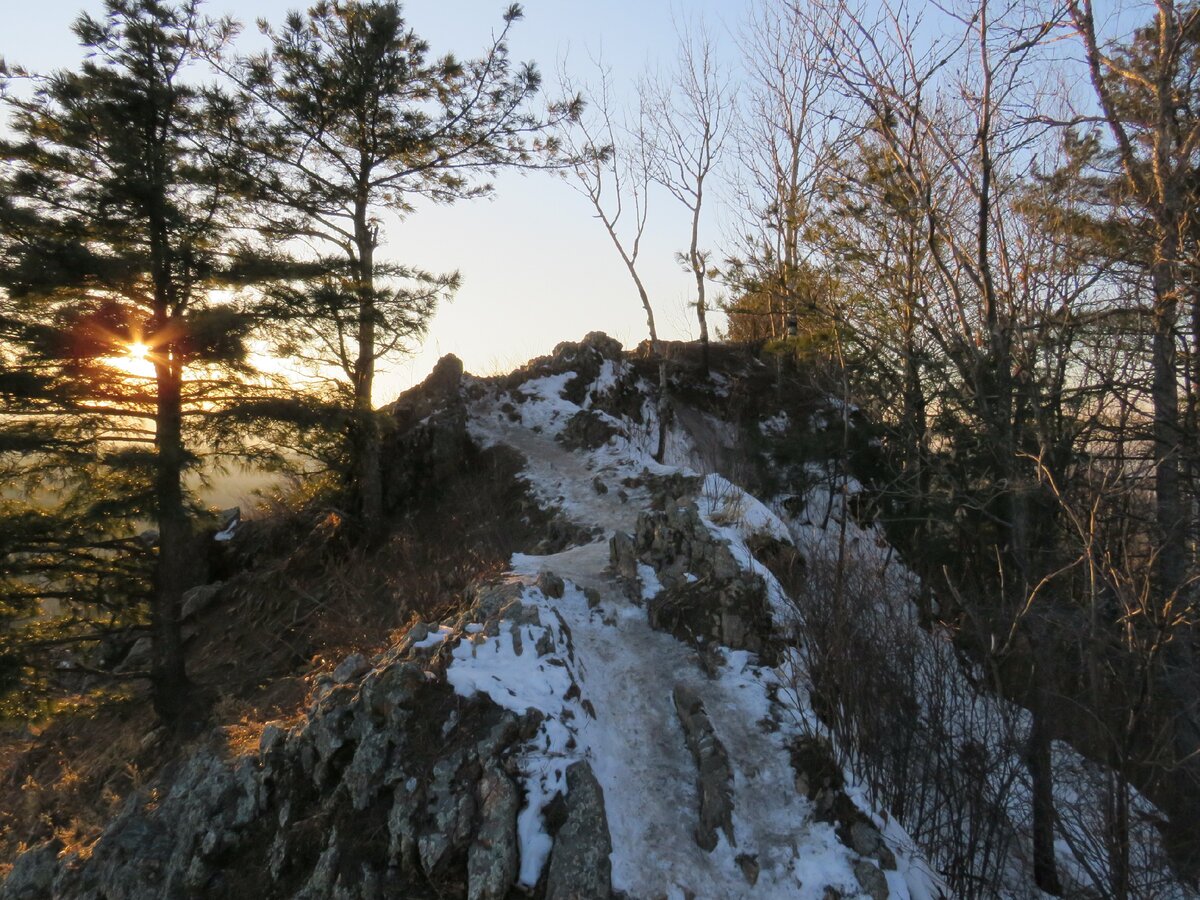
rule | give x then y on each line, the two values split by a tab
707	597
579	866
714	783
391	786
428	442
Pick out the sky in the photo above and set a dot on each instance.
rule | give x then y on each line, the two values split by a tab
537	268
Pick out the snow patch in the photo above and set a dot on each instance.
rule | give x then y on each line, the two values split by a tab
435	637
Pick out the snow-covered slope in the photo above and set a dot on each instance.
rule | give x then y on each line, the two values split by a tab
608	688
634	714
780	843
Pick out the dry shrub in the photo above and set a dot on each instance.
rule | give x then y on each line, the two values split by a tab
66	778
903	718
301	593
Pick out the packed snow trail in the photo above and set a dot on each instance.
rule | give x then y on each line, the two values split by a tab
635	743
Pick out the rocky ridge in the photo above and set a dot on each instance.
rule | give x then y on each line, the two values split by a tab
624	713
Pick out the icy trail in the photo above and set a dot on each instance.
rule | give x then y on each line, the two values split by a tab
635	743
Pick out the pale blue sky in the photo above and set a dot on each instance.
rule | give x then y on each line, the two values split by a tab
537	269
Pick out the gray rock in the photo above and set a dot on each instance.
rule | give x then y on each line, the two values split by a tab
715	775
33	873
402	834
707	596
521	614
871	880
492	859
866	840
748	863
420	768
580	868
198	599
388	693
364	777
490	599
320	883
154	739
587	430
450	811
270	741
623	560
352	668
550	585
607	347
138	657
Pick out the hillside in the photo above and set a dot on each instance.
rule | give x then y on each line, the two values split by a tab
705	677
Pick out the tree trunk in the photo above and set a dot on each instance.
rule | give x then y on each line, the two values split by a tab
1041	774
914	423
366	449
168	673
1171	559
1118	836
696	259
1171	562
700	314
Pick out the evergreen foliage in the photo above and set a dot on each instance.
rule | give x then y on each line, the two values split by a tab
354	118
125	341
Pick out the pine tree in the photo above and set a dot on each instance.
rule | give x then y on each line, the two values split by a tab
117	231
355	119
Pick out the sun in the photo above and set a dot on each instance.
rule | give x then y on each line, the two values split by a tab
133	360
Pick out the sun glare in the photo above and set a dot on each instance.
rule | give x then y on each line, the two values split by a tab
135	361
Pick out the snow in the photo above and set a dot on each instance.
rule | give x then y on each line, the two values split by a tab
721	499
775	426
435	637
651	586
620	673
626	672
518	682
545	409
227	533
611	372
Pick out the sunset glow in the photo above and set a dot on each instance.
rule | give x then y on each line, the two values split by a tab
134	362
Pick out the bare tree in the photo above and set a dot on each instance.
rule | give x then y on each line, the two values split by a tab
951	125
688	115
611	168
1145	89
1157	147
785	143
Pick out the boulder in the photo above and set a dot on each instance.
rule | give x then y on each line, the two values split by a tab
587	430
352	668
492	860
871	880
580	868
198	599
551	585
